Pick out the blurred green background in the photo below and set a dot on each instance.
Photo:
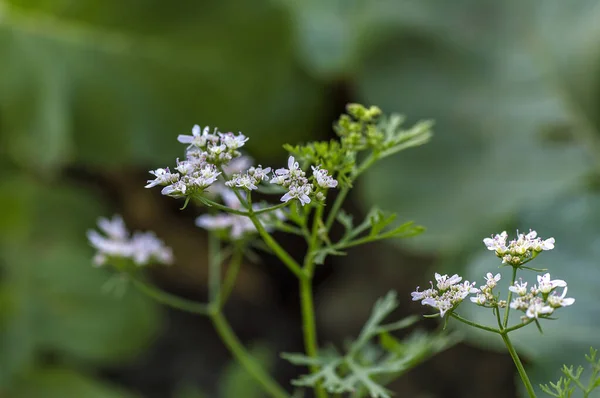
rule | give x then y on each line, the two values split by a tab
93	94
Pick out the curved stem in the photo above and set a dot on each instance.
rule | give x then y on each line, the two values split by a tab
509	298
518	364
171	300
277	249
471	323
240	353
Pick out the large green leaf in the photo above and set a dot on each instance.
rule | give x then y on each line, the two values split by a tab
63	383
102	83
574	221
507	131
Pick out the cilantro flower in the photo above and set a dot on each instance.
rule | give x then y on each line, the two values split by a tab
518	251
448	295
116	245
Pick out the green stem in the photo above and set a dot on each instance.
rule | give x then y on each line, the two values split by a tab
309	326
507	311
518	364
519	326
214	268
337	204
240	353
277	249
171	300
475	325
227	209
230	276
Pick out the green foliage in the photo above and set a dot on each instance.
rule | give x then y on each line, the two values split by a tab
63	383
373	228
565	386
53	297
575	259
361	130
366	367
102	84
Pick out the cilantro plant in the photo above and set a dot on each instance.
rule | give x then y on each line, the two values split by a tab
216	174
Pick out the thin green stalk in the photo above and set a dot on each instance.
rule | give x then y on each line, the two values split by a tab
240	353
507	310
233	270
171	300
497	312
471	323
227	209
518	364
214	268
277	249
519	326
337	204
309	328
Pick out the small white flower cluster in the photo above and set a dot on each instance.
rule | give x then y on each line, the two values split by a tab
199	170
520	250
448	294
250	179
294	179
485	296
142	248
237	226
218	148
542	299
208	153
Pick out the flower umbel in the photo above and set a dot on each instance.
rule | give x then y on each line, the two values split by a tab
542	299
448	295
116	246
519	251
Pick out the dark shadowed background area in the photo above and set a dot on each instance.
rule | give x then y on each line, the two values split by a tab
94	93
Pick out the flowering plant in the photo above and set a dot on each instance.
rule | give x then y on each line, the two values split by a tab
539	302
310	193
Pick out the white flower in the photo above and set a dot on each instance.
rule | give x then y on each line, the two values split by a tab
324	180
443	282
141	248
480	299
538	307
242	181
520	250
497	242
557	301
185	167
259	173
417	295
146	247
492	280
163	177
233	142
298	192
198	138
450	294
175	190
546	285
519	288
